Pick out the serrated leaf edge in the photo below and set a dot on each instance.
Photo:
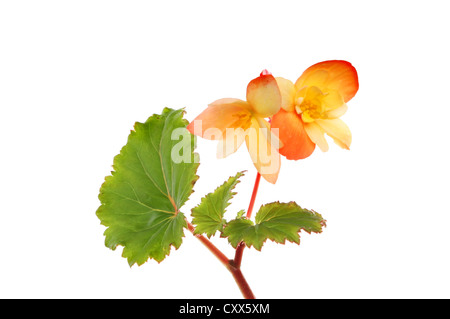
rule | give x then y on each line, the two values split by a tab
254	224
203	199
155	116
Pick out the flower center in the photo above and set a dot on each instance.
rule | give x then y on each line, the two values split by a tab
310	104
244	118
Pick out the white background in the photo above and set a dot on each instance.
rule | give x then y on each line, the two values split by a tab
76	75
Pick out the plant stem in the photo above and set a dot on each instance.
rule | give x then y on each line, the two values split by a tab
252	199
241	282
238	255
205	241
240	248
229	264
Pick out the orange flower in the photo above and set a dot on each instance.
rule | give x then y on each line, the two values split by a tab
312	106
231	121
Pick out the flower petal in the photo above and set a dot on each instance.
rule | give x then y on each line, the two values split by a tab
264	156
332	100
338	112
287	90
296	142
268	134
338	130
331	75
232	140
316	134
264	96
220	115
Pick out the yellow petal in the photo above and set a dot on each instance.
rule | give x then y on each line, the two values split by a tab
316	134
230	101
269	134
312	77
264	156
264	96
287	90
338	112
232	140
220	115
332	100
337	130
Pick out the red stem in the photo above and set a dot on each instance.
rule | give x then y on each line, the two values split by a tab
240	248
234	266
242	283
229	264
252	200
216	252
238	255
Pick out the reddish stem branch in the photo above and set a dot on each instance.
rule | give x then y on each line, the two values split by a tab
234	266
238	255
216	252
252	199
240	248
242	283
229	264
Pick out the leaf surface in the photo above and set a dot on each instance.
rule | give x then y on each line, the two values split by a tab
275	221
208	215
153	177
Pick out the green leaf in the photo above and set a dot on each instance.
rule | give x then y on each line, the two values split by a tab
153	177
208	215
275	221
240	214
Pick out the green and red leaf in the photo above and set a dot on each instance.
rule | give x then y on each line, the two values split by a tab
275	221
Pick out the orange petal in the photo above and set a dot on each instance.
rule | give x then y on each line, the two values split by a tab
331	75
296	143
264	155
264	96
220	115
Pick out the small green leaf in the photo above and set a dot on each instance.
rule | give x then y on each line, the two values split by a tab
208	215
240	229
153	177
240	214
275	221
